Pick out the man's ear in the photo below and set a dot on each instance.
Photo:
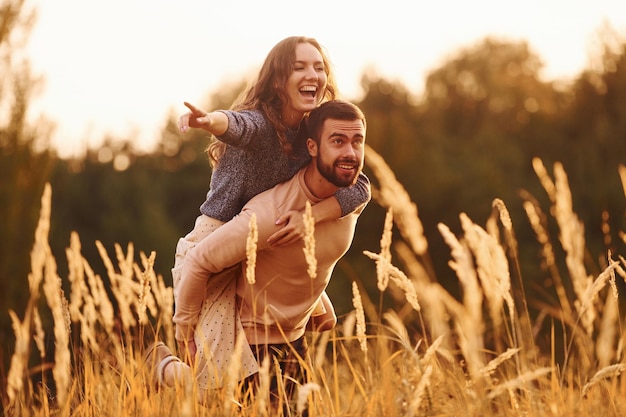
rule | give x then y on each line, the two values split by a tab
312	147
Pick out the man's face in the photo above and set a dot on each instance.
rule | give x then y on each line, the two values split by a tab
341	151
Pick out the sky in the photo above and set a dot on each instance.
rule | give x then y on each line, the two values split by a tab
121	67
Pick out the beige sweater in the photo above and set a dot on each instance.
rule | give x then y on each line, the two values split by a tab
282	299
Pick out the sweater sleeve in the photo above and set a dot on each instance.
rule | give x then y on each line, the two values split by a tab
246	129
353	197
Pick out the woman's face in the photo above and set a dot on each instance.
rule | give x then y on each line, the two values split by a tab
306	84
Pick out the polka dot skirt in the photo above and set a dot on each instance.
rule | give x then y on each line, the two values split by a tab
218	324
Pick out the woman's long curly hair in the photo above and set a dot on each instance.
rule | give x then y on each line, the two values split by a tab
267	93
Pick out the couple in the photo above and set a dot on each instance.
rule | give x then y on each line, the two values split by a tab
214	302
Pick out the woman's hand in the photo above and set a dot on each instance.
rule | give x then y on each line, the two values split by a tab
195	117
292	231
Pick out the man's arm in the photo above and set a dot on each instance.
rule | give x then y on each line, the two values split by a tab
223	248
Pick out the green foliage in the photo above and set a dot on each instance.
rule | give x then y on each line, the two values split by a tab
485	114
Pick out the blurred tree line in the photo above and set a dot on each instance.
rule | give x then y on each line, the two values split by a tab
468	138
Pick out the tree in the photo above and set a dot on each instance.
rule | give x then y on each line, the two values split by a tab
595	128
25	161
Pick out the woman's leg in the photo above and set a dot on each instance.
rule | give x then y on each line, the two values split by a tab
218	323
165	368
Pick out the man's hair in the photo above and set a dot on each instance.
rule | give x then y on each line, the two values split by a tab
334	109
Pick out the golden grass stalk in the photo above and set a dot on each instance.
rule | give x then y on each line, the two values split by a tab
493	364
88	320
415	269
591	292
435	348
393	195
544	178
399	278
468	317
618	268
22	328
309	241
572	238
41	248
492	269
76	275
122	286
320	352
399	329
349	324
622	174
501	260
144	293
95	293
164	300
520	382
382	264
39	335
251	247
423	384
607	332
231	377
360	317
430	305
305	392
263	395
43	268
462	263
604	373
538	224
612	280
19	360
60	313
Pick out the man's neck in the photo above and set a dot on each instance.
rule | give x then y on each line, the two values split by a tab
319	186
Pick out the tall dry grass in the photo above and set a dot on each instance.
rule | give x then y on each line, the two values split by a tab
430	355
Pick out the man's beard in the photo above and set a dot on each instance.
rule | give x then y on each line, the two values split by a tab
328	172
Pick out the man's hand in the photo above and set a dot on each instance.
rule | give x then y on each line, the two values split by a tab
293	230
187	351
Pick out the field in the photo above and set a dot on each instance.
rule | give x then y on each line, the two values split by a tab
484	354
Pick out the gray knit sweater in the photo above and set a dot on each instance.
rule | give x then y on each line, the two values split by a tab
254	162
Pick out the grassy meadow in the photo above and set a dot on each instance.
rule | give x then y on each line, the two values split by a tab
432	354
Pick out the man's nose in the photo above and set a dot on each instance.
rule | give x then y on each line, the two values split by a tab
350	151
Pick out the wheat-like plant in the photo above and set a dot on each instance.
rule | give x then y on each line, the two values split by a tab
384	260
431	357
309	241
391	194
251	248
361	331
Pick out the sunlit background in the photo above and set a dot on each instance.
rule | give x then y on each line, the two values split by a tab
120	67
499	157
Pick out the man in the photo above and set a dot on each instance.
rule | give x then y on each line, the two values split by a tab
275	309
